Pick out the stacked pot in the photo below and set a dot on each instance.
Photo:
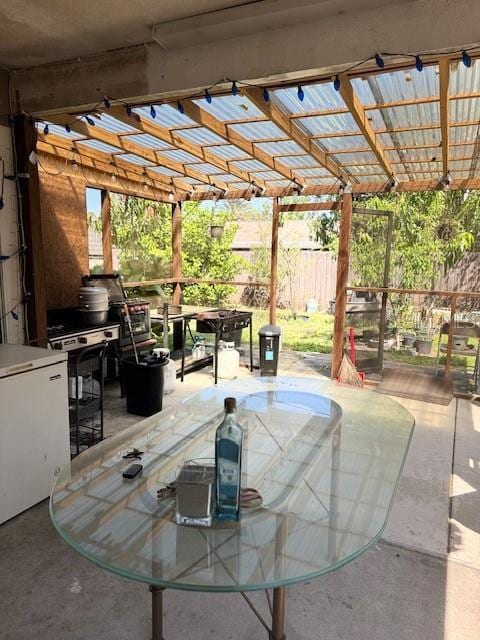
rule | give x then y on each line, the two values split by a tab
93	305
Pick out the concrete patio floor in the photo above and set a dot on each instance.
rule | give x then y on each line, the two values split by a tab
422	581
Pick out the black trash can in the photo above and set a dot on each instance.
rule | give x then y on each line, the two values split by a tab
144	384
269	347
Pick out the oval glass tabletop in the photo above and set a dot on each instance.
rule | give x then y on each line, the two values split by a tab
326	460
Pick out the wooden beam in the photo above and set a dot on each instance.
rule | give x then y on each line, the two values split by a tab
444	79
106	233
310	206
274	263
143	125
237	283
293	131
343	262
358	112
205	119
31	213
177	252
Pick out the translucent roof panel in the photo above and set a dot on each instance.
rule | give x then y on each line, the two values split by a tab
207	168
130	157
394	86
360	157
409	155
423	167
464	134
166	116
149	142
59	130
460	165
318	172
177	155
298	162
280	148
405	116
112	125
462	151
267	175
250	165
226	108
464	80
97	145
200	135
417	138
359	169
467	110
283	184
317	97
336	124
321	181
228	152
340	143
258	130
228	178
166	172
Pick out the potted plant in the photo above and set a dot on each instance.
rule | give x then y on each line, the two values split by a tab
424	340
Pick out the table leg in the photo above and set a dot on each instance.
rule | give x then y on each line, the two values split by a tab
185	325
278	615
251	345
157	612
215	364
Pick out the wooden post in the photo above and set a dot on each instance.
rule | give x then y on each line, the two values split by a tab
451	328
342	281
177	251
274	262
36	318
106	233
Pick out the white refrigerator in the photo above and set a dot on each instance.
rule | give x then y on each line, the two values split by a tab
34	426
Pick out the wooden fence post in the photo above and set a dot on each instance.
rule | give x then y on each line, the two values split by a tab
177	251
274	262
106	233
342	281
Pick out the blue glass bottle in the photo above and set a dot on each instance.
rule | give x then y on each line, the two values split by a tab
228	463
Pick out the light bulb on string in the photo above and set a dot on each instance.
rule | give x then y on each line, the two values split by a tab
466	59
266	95
300	93
379	61
153	113
46	130
208	96
336	83
180	107
14	314
171	197
68	128
418	63
74	165
234	88
114	177
90	121
106	102
128	109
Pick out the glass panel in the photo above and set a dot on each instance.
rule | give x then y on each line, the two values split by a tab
326	460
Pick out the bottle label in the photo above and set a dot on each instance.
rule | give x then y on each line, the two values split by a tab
268	355
228	467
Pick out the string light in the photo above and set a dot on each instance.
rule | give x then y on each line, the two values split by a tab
171	197
153	113
336	83
379	61
46	130
128	109
106	102
418	63
74	165
180	107
266	95
208	96
90	121
68	128
234	88
300	93
466	59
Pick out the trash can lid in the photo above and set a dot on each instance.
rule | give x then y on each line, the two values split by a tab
269	330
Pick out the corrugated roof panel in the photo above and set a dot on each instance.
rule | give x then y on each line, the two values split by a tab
460	165
464	134
320	181
240	186
461	175
177	155
166	172
97	145
371	177
230	107
200	136
149	142
411	138
393	155
463	151
424	155
298	162
359	157
267	175
467	110
207	168
283	184
354	170
250	165
228	178
349	142
258	130
190	180
318	172
284	147
392	86
166	116
131	157
58	130
228	152
407	116
423	167
316	125
316	98
464	80
113	125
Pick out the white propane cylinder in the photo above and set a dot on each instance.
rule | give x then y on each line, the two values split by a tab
169	371
228	361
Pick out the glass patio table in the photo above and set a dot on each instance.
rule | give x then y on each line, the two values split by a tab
326	460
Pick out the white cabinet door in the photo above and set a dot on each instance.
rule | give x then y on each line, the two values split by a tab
34	436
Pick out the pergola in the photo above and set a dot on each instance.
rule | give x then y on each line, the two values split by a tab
399	125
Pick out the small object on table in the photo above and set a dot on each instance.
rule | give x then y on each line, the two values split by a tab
134	453
250	498
132	472
195	490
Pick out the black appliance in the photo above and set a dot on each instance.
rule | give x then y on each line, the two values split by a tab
138	308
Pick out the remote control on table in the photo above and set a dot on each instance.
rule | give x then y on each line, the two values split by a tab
132	471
